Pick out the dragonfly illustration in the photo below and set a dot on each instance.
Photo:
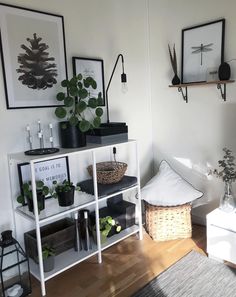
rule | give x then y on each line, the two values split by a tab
202	49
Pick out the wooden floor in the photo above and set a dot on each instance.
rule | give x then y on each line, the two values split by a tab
126	267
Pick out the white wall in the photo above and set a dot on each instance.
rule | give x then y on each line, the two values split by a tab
101	29
191	136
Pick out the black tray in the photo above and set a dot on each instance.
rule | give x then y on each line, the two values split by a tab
42	151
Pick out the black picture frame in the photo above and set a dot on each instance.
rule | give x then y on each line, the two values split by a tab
206	38
49	166
95	69
24	89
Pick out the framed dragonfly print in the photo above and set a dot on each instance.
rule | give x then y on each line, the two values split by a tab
202	49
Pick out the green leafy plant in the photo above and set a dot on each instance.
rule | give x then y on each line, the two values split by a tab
65	186
77	99
106	224
27	192
47	251
227	167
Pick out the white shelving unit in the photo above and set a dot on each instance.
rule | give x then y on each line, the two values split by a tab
54	212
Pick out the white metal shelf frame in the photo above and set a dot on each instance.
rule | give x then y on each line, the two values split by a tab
67	153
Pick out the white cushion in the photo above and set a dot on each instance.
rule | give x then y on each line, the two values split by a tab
168	188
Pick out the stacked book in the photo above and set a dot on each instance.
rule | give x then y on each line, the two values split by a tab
108	133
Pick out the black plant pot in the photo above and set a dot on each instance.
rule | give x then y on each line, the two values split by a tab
71	136
175	81
49	264
41	202
224	71
66	198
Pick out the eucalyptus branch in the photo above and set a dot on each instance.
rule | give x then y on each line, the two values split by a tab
227	166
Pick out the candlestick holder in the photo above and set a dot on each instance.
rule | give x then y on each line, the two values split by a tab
41	150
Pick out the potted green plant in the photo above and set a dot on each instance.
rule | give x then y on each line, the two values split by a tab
105	226
27	195
81	110
48	258
227	173
64	192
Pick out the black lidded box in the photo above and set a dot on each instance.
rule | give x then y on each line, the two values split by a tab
103	130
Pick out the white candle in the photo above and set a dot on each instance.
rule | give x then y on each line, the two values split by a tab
85	215
50	126
39	126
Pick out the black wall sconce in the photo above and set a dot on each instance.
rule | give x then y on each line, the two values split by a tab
123	80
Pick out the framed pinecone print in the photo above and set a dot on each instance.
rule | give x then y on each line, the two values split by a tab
33	56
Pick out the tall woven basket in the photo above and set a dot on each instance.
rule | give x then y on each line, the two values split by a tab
168	222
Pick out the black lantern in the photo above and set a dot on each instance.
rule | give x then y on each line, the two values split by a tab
14	268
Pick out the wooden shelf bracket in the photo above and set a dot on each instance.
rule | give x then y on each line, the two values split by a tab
185	96
223	92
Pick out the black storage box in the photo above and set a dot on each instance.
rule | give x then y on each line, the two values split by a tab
60	235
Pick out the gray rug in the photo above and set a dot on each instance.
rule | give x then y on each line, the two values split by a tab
193	276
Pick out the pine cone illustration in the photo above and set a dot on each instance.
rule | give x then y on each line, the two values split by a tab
37	70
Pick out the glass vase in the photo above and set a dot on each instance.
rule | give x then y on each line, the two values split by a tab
228	202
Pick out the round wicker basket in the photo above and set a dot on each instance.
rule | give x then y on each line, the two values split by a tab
109	172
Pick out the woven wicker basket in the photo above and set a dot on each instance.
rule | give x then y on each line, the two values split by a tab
169	222
109	172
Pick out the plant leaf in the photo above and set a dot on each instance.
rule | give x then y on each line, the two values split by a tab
20	199
92	103
99	112
61	96
65	83
69	101
81	106
79	76
73	90
84	126
97	122
83	93
73	121
60	112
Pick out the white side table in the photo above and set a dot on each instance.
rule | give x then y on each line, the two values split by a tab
221	235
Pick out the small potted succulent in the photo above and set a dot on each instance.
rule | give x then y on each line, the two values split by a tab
106	224
27	195
64	192
81	110
227	173
48	258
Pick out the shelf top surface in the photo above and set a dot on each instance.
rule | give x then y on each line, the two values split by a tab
81	200
203	83
64	152
52	207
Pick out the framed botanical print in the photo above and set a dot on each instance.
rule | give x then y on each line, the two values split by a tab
94	68
202	49
33	56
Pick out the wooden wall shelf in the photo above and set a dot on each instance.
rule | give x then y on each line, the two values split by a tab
218	84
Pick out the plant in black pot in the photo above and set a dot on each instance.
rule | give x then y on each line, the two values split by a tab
27	195
48	258
65	192
81	110
105	225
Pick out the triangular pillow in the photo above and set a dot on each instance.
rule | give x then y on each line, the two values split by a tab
168	188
